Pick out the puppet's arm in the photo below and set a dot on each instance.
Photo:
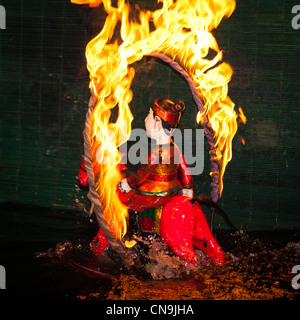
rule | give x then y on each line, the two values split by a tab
185	178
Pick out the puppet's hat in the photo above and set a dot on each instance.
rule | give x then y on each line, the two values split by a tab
168	110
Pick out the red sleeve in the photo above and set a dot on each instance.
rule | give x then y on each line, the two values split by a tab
82	175
184	174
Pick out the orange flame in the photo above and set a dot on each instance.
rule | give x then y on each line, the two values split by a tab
243	140
180	29
242	117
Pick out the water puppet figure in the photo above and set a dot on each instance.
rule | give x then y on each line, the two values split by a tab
164	183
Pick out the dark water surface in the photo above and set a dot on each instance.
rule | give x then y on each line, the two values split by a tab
46	256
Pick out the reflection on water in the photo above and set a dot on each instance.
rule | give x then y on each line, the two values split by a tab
46	255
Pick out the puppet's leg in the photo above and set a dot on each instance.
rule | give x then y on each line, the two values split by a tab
99	243
176	228
203	238
183	226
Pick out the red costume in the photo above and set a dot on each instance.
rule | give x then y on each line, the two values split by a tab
154	184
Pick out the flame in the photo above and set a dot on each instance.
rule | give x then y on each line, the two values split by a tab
241	115
130	243
179	29
241	119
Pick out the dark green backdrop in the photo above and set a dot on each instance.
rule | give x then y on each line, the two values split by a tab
44	96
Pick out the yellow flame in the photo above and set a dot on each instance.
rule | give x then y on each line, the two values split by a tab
130	243
180	29
242	116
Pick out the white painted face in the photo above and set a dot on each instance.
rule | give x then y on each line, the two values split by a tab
154	129
151	124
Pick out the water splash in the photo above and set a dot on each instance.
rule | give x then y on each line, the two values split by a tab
258	267
163	264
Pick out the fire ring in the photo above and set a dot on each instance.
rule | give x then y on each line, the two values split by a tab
93	195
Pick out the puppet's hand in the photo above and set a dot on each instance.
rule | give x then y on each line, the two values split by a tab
188	192
124	186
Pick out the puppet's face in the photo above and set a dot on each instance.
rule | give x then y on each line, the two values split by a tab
154	129
152	124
